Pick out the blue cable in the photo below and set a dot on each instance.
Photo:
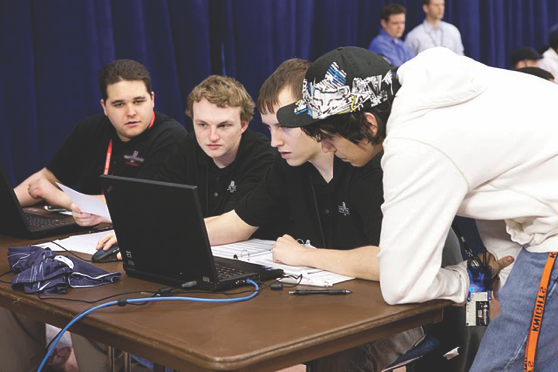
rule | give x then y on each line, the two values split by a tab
123	302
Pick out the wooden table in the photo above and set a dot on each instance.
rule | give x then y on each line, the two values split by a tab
272	331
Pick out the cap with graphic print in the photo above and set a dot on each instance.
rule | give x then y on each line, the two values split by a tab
344	80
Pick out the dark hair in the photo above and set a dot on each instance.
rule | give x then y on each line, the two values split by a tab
391	9
123	70
537	71
354	126
426	2
222	91
289	74
553	37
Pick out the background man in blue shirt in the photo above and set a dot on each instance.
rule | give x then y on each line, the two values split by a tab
388	42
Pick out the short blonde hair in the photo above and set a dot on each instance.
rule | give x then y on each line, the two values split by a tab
222	91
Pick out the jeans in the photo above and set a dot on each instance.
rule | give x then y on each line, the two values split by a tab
503	345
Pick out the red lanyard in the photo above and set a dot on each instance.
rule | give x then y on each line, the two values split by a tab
536	321
107	160
109	150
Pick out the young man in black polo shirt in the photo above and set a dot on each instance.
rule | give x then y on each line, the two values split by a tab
129	140
335	207
223	157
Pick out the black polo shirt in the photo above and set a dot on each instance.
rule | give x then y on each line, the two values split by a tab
219	189
342	214
81	159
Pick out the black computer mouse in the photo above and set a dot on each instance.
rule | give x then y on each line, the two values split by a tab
106	256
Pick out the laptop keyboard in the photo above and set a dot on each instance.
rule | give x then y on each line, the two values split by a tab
227	272
41	222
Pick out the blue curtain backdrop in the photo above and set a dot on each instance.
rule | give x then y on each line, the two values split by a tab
51	51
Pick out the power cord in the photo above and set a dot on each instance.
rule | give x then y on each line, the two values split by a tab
70	252
123	302
3	281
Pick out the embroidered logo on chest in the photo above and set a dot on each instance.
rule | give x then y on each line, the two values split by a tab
134	159
344	210
232	187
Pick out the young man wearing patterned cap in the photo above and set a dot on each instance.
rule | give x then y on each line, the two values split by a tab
455	142
334	206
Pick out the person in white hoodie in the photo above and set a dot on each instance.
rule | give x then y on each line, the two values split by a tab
459	138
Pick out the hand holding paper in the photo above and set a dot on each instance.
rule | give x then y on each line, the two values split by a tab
87	203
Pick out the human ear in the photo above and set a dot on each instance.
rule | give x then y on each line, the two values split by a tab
104	107
372	123
383	24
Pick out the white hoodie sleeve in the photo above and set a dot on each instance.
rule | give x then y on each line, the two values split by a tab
422	190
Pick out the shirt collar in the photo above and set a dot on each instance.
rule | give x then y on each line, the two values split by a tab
429	26
386	35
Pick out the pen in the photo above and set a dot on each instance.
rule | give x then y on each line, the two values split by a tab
302	292
51	208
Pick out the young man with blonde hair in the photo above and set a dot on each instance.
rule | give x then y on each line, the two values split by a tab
223	157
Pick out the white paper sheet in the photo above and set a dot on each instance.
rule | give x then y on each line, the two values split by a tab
84	243
87	203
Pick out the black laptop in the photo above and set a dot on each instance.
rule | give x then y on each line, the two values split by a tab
162	236
30	223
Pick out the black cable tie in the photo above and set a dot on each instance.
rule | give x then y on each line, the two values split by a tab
122	302
163	291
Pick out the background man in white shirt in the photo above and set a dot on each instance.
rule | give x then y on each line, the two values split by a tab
433	31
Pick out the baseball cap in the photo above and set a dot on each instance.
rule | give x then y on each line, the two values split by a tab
522	54
347	79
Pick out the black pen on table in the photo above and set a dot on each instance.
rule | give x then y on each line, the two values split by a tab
303	292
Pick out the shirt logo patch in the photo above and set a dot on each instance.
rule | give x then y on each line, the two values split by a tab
344	210
134	159
232	187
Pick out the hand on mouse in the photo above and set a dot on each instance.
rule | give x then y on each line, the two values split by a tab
106	242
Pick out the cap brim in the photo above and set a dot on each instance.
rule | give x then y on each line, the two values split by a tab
288	118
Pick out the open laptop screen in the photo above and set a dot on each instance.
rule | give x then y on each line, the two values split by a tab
160	228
